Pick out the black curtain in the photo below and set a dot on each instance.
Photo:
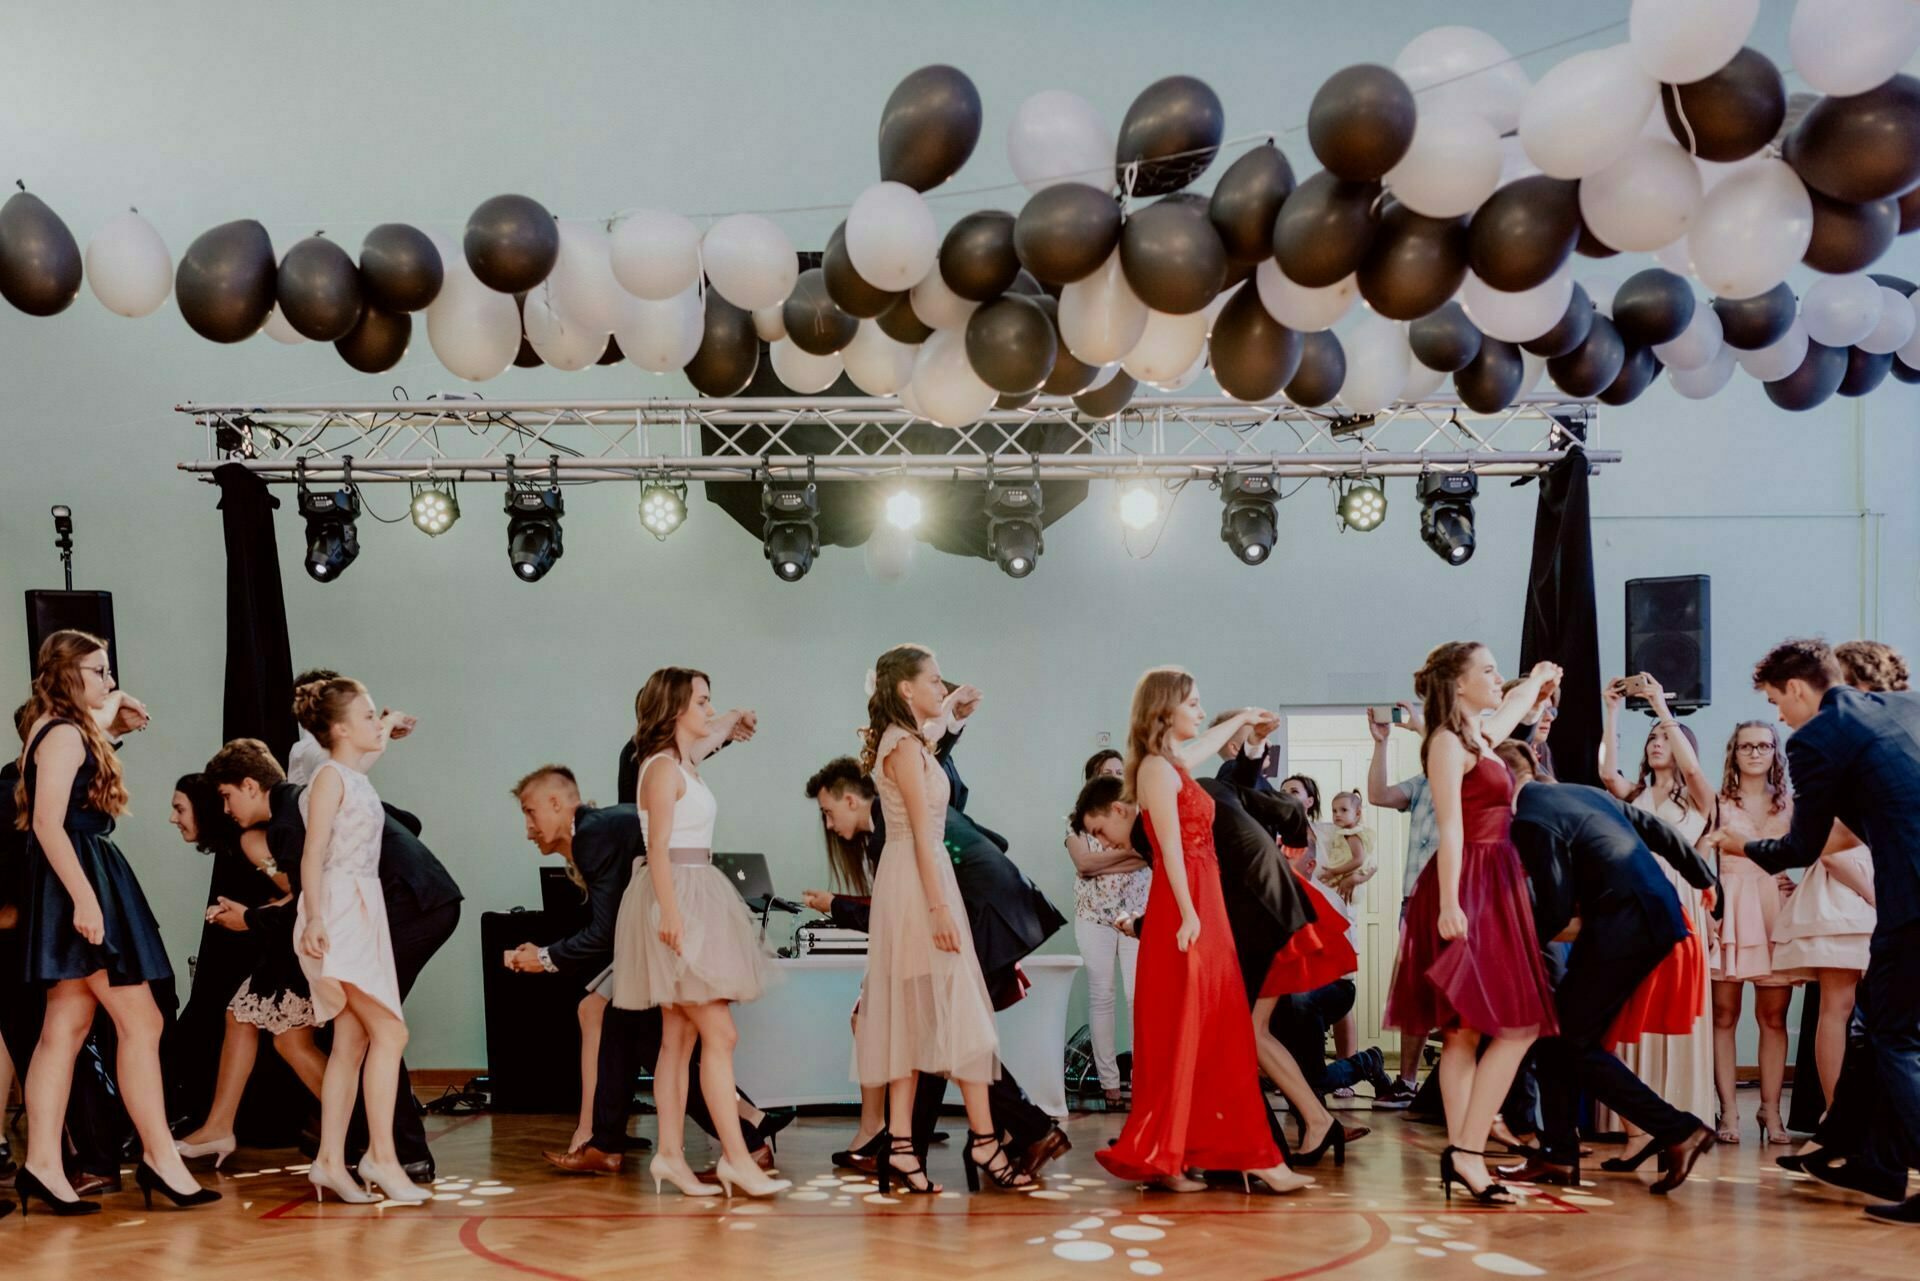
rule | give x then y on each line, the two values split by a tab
1562	620
259	695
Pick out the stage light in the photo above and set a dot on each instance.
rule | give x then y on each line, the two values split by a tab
1013	526
1249	523
663	507
533	530
1139	506
332	541
791	536
434	510
1363	506
903	509
1446	514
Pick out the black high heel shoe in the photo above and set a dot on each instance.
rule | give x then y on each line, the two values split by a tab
150	1182
865	1159
1492	1194
772	1121
1335	1138
998	1167
1628	1164
914	1181
25	1185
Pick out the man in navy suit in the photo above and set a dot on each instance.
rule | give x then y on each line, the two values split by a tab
1855	757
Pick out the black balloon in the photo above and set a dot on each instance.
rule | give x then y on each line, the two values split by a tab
1011	344
1760	321
1325	229
729	350
1904	372
1590	368
1108	400
1524	232
814	321
1024	283
977	259
1172	131
40	265
400	267
1590	245
1492	378
1652	307
512	243
1865	371
612	355
850	291
1820	374
527	357
1415	264
1323	367
900	323
378	340
1732	113
1361	122
1446	339
1247	199
1069	374
1252	355
1849	237
1636	374
1901	283
1007	400
1066	231
1172	256
225	282
319	290
1569	331
929	127
1862	147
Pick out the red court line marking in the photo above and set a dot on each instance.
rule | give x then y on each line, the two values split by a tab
470	1238
1377	1235
930	1212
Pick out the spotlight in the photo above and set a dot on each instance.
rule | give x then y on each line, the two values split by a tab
791	536
1139	506
332	541
663	507
533	529
1363	506
434	510
1013	526
903	509
1249	524
1446	514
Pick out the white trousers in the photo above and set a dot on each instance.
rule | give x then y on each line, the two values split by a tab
1105	949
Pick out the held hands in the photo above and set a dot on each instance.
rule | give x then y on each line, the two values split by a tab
123	715
1126	925
525	959
1453	923
1188	933
1785	883
88	923
1708	897
961	703
398	723
1728	841
228	915
314	941
817	900
946	936
745	723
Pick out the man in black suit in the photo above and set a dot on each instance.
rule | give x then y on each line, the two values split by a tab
1589	855
1855	757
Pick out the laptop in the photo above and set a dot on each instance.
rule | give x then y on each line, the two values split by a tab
749	877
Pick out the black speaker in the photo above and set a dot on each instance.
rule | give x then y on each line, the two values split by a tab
533	1024
1670	637
49	612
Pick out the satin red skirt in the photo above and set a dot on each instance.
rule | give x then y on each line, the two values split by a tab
1317	954
1668	1001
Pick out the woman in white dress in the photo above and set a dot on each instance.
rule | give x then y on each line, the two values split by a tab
1671	785
683	940
345	949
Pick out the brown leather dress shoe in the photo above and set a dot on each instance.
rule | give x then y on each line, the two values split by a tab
762	1157
1677	1162
586	1159
1539	1170
1050	1146
85	1184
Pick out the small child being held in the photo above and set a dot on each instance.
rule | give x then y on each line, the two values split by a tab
1346	849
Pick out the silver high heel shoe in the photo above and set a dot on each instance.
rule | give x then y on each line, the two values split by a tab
342	1187
675	1170
219	1149
752	1180
393	1183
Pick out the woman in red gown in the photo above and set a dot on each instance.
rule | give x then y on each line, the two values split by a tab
1196	1086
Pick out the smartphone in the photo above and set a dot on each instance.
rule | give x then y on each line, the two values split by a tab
1387	715
1638	686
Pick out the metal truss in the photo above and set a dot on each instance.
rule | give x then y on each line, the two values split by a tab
861	438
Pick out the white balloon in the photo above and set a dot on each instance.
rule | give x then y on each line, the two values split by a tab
1586	112
655	254
1521	316
1055	137
1298	307
662	335
800	371
889	552
1644	200
1895	327
128	266
280	331
1681	41
1909	353
938	306
1464	69
1700	383
878	364
750	261
891	237
907	400
582	283
1751	230
1531	367
1514	163
1378	363
948	391
1676	257
559	339
1452	165
770	323
1713	172
1100	317
1850	46
1698	344
1841	310
1102	376
1188	376
1167	346
1422	382
1780	359
473	330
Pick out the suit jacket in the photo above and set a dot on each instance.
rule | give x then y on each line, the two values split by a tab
1858	760
605	843
1587	853
412	881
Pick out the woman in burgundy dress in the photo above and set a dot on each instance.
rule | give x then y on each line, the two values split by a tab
1469	960
1196	1085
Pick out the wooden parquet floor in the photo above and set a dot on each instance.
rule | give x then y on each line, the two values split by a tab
501	1215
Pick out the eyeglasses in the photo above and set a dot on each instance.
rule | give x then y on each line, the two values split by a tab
103	671
1754	749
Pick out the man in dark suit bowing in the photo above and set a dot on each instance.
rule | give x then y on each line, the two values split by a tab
1589	855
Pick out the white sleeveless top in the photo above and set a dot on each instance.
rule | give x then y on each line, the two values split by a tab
693	814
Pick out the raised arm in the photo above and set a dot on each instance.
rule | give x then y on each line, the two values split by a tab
736	726
1520	700
904	766
1278	813
1159	785
1699	788
323	804
1615	696
1195	751
1381	793
660	789
1446	767
56	760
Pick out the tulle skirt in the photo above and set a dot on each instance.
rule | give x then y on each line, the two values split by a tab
359	947
1746	924
720	957
1671	999
1824	925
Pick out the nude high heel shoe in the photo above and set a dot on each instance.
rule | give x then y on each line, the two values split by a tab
1280	1178
752	1180
342	1187
393	1183
218	1149
675	1170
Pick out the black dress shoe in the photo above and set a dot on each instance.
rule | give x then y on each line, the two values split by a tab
1854	1176
1907	1212
420	1171
1677	1159
632	1143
